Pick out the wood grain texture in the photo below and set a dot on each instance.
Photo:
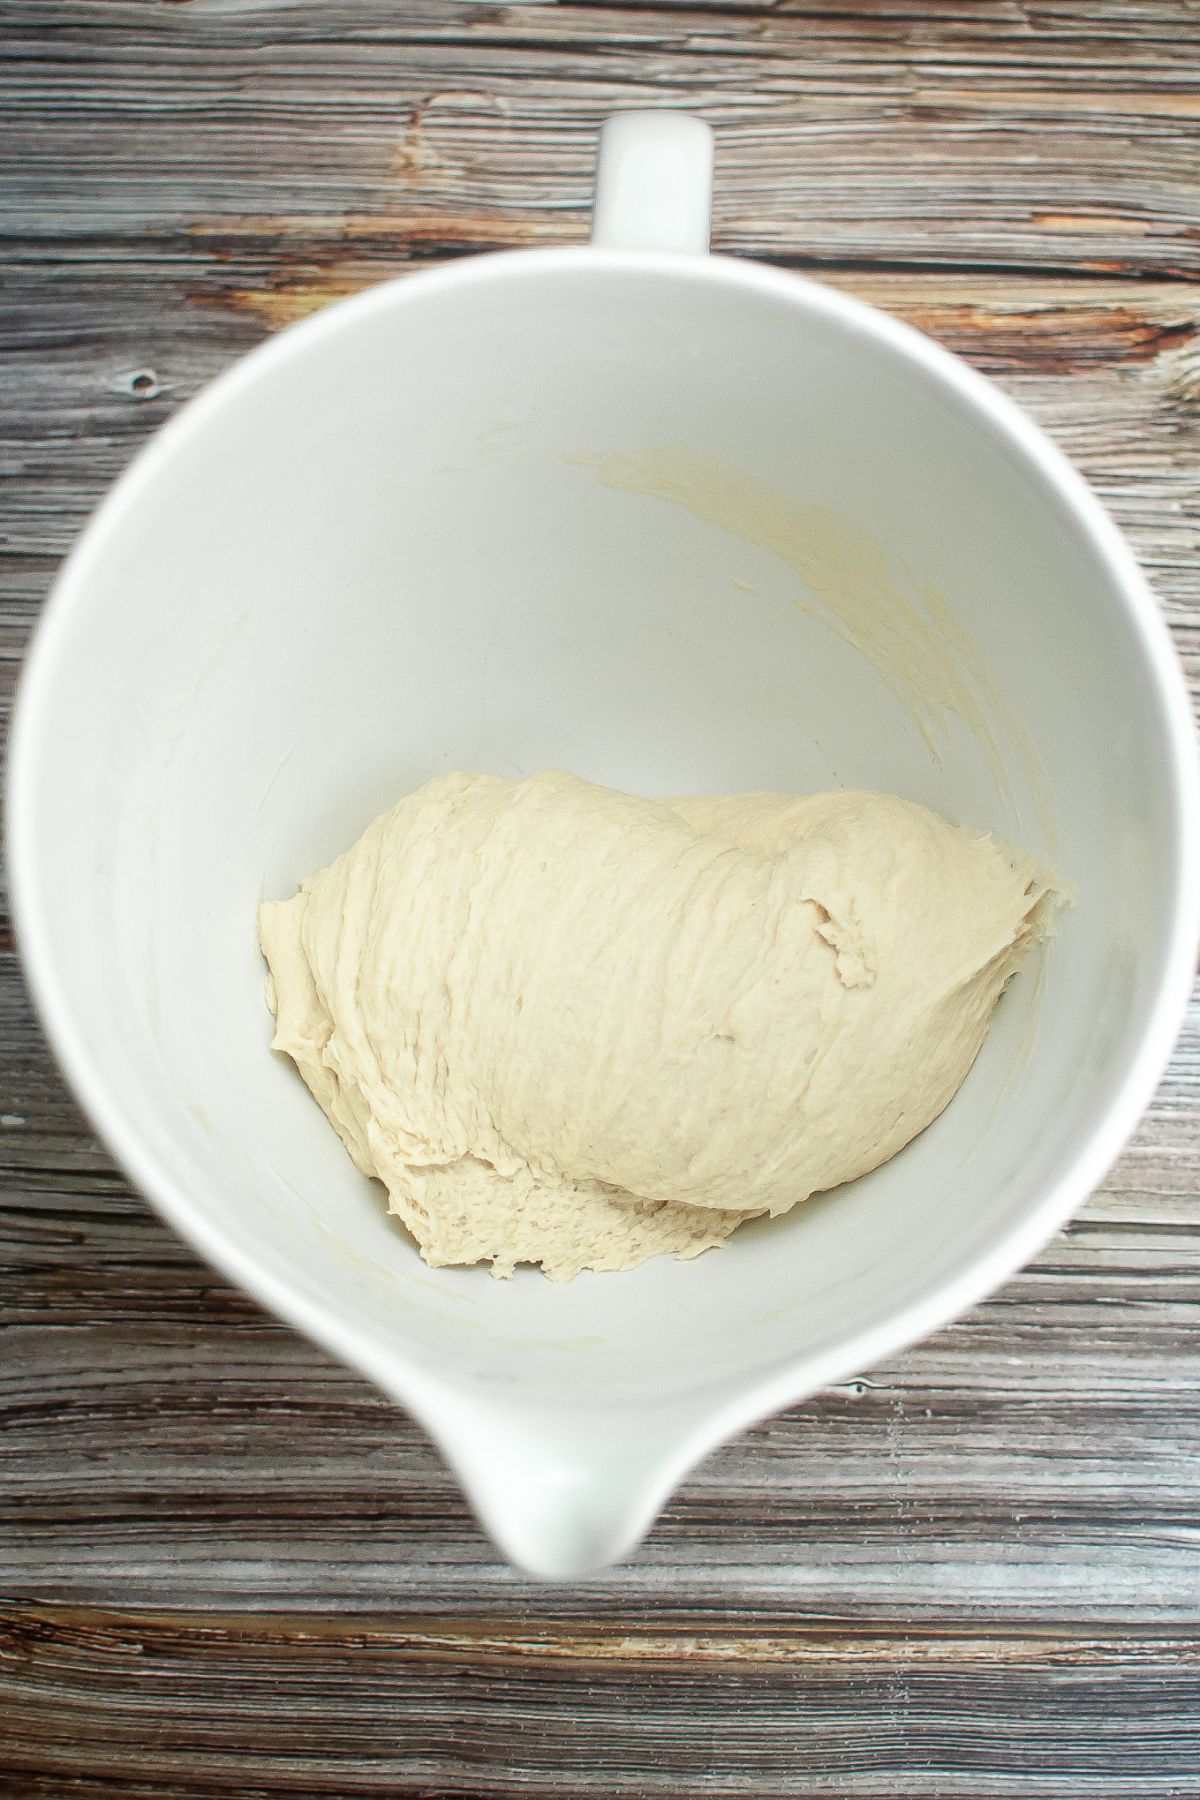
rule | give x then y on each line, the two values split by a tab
229	1564
770	1709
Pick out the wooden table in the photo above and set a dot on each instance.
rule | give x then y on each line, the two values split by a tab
229	1565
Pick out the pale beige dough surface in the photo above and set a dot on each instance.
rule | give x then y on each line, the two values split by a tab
567	1026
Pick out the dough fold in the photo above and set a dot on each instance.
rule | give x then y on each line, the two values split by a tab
568	1026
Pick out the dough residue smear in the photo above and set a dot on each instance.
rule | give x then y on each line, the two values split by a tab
571	1027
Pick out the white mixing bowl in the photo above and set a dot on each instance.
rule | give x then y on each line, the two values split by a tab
387	545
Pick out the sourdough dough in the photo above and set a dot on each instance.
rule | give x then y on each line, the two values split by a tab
566	1026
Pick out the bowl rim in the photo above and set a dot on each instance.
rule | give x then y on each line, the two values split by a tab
949	1296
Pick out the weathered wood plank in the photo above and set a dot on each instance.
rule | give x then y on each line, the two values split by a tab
1056	137
425	1706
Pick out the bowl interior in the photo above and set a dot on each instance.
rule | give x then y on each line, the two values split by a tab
391	545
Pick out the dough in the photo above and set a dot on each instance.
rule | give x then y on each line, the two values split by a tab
566	1026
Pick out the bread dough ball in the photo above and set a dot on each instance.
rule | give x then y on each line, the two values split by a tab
572	1027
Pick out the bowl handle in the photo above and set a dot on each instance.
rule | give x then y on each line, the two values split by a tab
654	183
